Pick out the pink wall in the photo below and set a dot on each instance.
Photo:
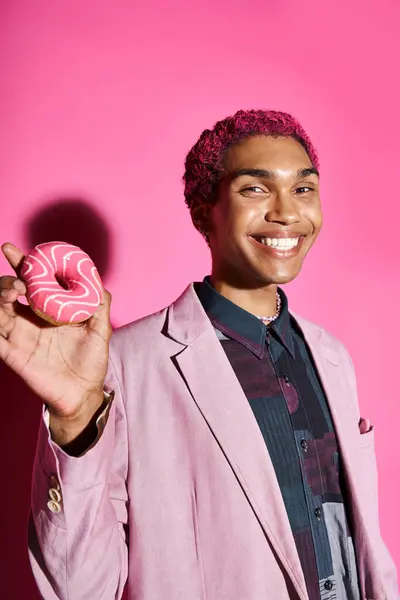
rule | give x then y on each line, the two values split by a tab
99	103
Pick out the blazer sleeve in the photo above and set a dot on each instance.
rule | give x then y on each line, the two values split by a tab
78	521
386	563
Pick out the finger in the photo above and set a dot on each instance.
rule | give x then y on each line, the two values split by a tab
8	297
14	255
100	322
6	324
8	283
4	350
10	289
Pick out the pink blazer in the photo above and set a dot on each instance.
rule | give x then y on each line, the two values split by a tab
179	496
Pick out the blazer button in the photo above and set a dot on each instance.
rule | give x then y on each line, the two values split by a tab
53	506
303	444
54	483
54	495
328	585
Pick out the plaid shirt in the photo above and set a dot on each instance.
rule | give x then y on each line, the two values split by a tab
276	371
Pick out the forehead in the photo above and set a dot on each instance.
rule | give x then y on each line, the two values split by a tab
267	152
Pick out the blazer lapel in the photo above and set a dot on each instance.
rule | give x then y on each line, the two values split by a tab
334	376
224	406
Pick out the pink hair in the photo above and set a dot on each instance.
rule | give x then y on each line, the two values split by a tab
203	164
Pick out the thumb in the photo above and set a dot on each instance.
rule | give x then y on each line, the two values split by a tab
100	321
13	254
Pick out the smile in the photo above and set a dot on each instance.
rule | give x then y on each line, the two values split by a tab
280	247
280	243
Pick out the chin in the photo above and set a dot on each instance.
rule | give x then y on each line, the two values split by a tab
279	277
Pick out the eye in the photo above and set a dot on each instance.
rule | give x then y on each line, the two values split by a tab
304	189
255	189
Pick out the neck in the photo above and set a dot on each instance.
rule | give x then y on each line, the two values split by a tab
258	301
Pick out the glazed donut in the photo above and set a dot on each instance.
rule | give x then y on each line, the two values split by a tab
62	282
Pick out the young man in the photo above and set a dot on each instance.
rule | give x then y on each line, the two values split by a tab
228	453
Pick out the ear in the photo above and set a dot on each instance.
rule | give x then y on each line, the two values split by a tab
200	213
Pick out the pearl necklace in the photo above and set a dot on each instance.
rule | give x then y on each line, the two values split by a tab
267	320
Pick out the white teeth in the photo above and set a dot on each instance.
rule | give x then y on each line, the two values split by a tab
280	243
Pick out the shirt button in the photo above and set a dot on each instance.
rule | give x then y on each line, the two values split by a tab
328	585
304	444
318	513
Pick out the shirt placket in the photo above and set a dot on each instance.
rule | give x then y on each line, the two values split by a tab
285	381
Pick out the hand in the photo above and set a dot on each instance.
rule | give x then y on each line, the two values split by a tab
64	365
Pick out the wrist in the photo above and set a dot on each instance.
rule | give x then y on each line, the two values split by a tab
66	429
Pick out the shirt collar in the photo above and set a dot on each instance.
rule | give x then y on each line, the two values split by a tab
242	326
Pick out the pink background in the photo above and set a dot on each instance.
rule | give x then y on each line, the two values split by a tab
100	102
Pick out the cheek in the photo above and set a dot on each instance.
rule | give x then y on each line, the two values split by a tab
229	219
318	220
233	218
313	214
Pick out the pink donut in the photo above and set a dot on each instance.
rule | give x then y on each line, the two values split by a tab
50	266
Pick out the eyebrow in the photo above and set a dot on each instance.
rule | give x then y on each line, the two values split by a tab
272	175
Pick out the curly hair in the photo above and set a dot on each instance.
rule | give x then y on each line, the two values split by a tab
203	164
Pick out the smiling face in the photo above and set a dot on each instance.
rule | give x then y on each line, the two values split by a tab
267	214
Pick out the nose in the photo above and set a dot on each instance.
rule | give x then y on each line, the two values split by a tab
282	209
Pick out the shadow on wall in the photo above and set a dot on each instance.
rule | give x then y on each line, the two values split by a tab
74	221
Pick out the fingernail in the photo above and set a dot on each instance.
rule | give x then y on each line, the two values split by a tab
5	293
19	286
